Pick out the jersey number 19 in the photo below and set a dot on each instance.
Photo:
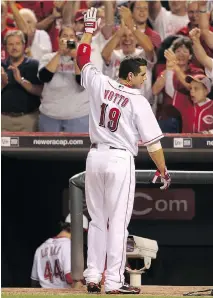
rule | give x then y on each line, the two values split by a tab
114	116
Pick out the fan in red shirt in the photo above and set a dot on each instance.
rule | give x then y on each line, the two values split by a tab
140	14
201	117
193	14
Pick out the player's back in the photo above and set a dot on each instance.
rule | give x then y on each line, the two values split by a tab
52	263
112	118
119	116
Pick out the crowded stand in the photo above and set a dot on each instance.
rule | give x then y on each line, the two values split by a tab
41	82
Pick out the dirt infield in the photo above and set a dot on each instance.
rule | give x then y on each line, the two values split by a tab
168	291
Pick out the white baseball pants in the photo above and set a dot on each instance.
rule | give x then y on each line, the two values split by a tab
110	188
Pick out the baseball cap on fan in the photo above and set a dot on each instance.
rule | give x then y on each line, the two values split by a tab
79	15
85	221
200	78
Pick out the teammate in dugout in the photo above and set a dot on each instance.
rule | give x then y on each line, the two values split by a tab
119	117
52	260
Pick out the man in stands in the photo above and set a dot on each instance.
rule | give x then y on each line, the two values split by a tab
167	22
198	17
21	88
140	14
193	15
128	38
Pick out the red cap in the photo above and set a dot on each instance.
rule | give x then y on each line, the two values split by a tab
201	78
79	15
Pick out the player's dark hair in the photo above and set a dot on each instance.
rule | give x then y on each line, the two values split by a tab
131	64
65	226
183	41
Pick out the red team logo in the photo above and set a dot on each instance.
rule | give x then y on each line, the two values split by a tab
208	119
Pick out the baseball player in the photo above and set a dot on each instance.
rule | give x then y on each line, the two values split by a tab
52	260
200	53
119	117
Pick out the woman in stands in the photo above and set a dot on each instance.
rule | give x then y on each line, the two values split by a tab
172	79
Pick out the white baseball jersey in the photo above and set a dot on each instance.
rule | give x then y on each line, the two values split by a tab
119	116
52	261
208	72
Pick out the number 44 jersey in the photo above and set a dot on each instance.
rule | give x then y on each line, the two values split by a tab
52	261
119	116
